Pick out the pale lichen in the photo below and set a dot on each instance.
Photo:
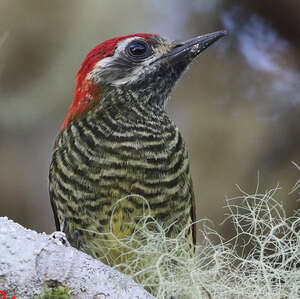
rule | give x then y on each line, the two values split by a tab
262	260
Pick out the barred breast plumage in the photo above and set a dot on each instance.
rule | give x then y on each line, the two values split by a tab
113	153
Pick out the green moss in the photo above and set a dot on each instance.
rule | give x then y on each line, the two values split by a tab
56	293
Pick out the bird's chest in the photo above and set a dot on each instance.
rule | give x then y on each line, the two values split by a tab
142	144
125	154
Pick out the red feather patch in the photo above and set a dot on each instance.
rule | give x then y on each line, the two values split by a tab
86	94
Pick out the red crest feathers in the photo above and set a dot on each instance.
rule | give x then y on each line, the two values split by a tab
86	95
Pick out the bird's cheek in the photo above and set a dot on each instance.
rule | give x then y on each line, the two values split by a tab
124	81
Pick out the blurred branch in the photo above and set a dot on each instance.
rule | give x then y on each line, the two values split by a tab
3	38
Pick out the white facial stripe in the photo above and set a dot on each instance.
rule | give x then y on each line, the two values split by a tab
123	44
101	65
125	80
135	75
120	48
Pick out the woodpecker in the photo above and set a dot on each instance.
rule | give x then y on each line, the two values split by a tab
118	148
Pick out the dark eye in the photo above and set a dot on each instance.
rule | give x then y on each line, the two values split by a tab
138	49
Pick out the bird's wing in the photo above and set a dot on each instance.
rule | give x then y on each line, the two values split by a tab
193	214
57	224
52	198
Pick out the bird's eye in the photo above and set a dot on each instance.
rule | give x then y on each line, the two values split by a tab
138	49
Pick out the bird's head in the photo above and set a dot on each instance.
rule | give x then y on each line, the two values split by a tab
146	65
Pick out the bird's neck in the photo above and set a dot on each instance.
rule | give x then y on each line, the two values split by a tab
117	113
136	103
134	106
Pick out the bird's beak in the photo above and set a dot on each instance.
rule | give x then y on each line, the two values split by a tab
186	51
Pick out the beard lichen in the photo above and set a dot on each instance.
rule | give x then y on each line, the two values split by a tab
262	260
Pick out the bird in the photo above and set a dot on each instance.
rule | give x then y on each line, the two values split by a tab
118	148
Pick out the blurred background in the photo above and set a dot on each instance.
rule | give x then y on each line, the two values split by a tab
238	106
